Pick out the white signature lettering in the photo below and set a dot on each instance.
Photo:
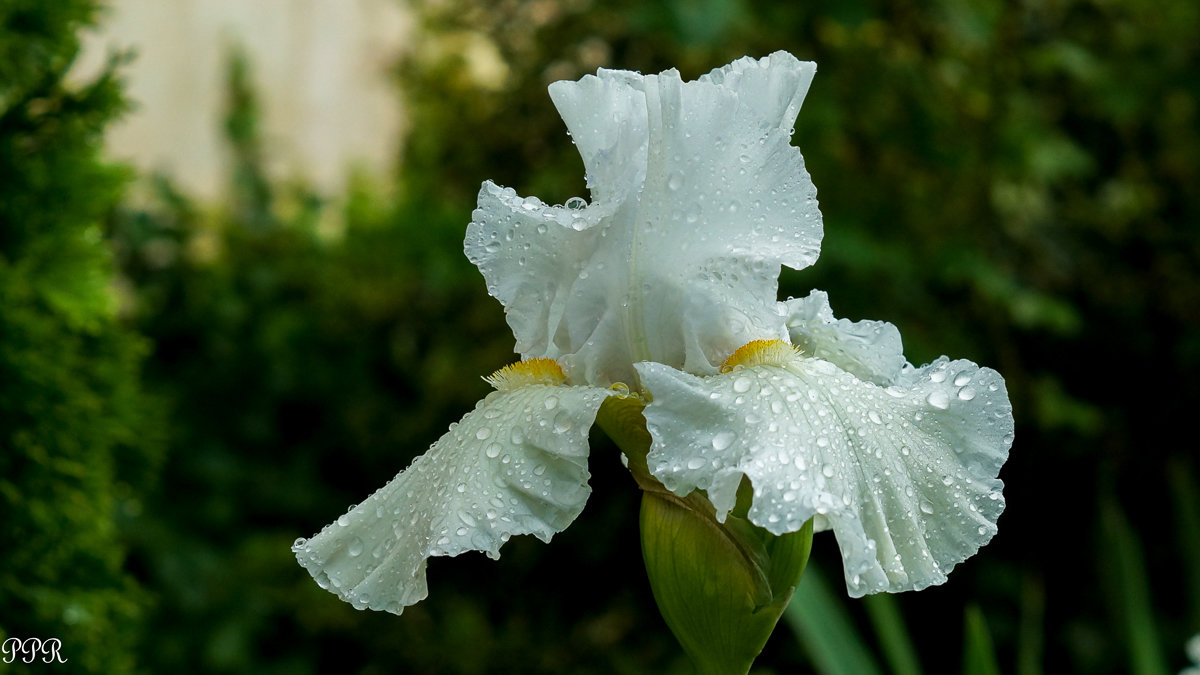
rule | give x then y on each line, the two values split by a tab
30	649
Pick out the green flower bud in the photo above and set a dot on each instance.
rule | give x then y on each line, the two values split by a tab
721	587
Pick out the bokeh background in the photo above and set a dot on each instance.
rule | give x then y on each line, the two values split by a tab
189	382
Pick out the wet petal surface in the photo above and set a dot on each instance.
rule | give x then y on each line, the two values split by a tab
869	350
517	464
699	198
905	475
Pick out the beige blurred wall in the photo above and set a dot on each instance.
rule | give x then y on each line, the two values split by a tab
321	68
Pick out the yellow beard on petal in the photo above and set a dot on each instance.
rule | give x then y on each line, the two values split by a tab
527	372
761	353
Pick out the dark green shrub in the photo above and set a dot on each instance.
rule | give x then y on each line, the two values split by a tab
76	431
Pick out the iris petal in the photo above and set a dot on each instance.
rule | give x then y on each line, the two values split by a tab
905	475
699	198
517	464
870	350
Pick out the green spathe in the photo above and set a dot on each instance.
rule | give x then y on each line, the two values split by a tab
721	587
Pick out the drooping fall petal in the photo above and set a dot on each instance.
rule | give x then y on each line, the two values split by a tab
517	464
905	475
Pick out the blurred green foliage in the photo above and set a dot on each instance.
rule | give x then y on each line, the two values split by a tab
77	434
1010	183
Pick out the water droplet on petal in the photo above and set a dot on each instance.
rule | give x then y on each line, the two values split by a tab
926	508
939	399
741	385
966	393
551	402
355	548
483	433
723	440
492	450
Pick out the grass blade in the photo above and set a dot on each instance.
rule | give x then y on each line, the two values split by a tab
979	655
894	640
825	629
1127	578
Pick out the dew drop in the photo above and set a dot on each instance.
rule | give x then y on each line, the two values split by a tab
741	385
939	399
926	508
966	393
484	433
492	450
827	471
563	422
675	180
355	548
723	440
551	402
695	463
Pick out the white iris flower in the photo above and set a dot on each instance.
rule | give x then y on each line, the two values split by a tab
665	286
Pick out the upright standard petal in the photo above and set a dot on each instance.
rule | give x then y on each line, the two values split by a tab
869	350
517	464
699	198
905	475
